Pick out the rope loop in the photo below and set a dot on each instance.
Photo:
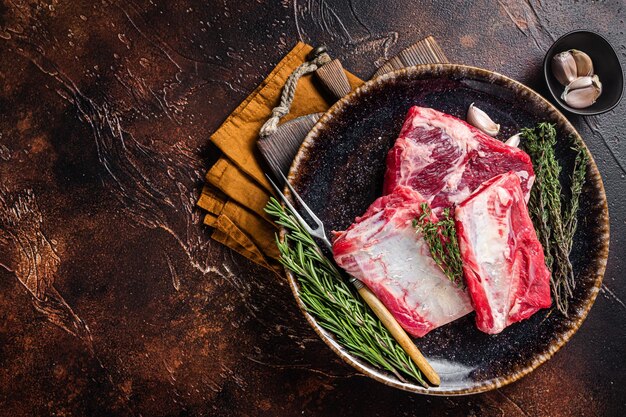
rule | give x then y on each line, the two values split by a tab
289	91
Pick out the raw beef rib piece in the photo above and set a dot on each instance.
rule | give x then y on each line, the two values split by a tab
383	250
503	261
445	159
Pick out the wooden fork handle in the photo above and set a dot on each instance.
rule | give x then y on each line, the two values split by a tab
398	333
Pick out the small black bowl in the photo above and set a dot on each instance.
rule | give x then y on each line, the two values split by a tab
605	63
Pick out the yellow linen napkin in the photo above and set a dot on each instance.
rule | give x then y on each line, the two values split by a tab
237	190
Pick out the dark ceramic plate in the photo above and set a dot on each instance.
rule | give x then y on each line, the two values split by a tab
339	172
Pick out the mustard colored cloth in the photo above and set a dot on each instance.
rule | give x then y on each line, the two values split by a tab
237	190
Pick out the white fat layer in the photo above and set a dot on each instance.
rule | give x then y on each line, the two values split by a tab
398	259
453	178
416	157
461	195
488	233
459	133
529	186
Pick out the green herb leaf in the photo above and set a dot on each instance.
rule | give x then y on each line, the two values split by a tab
442	242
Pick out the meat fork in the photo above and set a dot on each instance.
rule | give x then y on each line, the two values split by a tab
375	304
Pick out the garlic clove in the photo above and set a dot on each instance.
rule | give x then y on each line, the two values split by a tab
582	92
584	64
596	82
513	141
564	67
580	82
583	97
478	118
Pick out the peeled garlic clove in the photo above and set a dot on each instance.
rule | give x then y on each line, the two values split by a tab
564	67
584	65
580	82
513	140
584	97
478	118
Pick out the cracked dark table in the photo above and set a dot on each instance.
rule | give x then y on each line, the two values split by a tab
113	298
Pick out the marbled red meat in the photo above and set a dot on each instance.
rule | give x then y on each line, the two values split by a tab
383	250
445	159
503	261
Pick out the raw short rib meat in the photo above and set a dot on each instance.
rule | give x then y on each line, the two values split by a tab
503	261
383	250
445	159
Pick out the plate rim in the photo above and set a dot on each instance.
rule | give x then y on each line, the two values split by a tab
594	174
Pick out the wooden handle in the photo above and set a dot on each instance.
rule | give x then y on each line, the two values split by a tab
399	334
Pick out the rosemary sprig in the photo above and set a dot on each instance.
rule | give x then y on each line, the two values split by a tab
555	221
442	242
336	306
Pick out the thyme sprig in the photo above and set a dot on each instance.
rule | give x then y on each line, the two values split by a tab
555	220
336	305
442	242
578	180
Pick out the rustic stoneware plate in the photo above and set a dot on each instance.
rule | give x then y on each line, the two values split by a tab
339	172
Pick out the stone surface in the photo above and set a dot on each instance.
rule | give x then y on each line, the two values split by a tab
113	299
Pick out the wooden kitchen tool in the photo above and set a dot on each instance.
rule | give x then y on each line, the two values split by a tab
281	147
426	51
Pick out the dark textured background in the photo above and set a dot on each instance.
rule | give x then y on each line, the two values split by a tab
113	300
